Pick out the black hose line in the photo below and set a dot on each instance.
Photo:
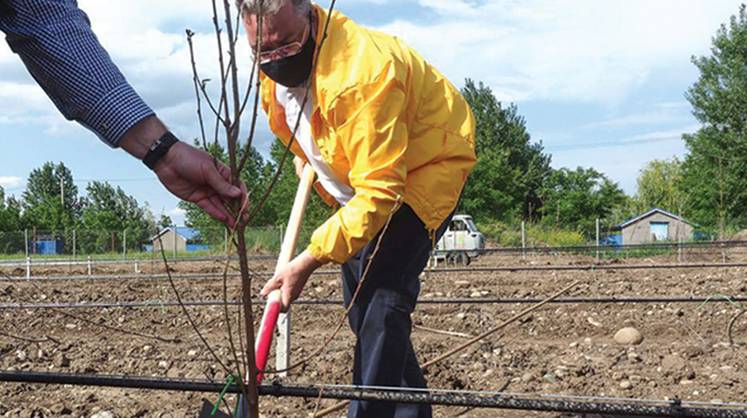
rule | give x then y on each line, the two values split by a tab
568	404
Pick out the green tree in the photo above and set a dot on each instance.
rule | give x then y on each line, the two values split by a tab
256	176
108	214
50	201
164	222
660	186
715	168
510	169
11	237
574	199
281	197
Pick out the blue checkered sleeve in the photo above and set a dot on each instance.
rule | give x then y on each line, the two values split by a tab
55	41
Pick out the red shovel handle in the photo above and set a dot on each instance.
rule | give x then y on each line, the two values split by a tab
266	329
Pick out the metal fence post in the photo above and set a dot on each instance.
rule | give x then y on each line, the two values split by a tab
124	244
174	231
89	265
26	241
75	243
28	267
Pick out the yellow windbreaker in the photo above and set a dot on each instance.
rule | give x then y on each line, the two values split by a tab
386	122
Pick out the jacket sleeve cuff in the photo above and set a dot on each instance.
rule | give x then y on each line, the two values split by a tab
115	113
319	254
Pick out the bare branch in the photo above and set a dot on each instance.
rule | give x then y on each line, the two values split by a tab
197	83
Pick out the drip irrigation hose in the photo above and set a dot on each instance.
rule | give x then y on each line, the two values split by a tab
476	399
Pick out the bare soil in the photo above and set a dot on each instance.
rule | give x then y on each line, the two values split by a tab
559	349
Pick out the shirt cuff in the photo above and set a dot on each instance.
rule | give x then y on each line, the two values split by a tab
115	113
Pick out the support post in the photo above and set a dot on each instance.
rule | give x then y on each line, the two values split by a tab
26	241
597	255
28	267
523	240
90	268
75	243
175	230
124	244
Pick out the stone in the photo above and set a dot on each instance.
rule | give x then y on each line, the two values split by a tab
550	377
21	355
634	357
626	384
527	377
628	336
103	414
63	361
673	363
594	322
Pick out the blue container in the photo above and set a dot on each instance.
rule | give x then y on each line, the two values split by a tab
48	247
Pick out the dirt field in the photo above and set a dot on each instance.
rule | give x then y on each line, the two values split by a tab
560	349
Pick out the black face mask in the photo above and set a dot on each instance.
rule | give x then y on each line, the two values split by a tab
294	70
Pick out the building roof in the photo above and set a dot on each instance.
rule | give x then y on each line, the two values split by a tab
183	231
651	212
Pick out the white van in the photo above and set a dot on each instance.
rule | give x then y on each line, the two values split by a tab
461	242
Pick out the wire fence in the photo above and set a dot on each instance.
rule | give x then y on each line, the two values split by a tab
130	243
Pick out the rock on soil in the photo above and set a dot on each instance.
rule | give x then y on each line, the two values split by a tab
628	336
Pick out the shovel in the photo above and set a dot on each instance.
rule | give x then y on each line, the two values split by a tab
287	250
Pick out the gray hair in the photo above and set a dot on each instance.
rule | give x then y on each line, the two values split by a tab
270	7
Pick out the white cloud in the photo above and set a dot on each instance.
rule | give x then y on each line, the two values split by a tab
585	50
10	182
177	212
656	114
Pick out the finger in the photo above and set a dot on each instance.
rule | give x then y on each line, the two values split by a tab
218	213
271	285
219	181
217	202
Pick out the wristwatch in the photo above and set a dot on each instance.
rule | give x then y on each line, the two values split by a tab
158	149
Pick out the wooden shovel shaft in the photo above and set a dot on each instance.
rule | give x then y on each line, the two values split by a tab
287	249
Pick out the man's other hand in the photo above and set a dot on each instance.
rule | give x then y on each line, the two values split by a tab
292	278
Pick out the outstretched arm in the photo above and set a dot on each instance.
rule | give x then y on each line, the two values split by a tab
55	41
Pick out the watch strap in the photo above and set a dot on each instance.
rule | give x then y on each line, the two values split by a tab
158	149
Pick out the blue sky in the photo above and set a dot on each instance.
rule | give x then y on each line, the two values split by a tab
600	83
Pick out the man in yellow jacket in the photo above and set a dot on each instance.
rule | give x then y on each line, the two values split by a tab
388	136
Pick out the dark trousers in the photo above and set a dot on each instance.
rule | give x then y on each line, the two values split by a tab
380	316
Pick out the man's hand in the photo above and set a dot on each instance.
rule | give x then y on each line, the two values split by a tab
193	175
189	173
292	278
